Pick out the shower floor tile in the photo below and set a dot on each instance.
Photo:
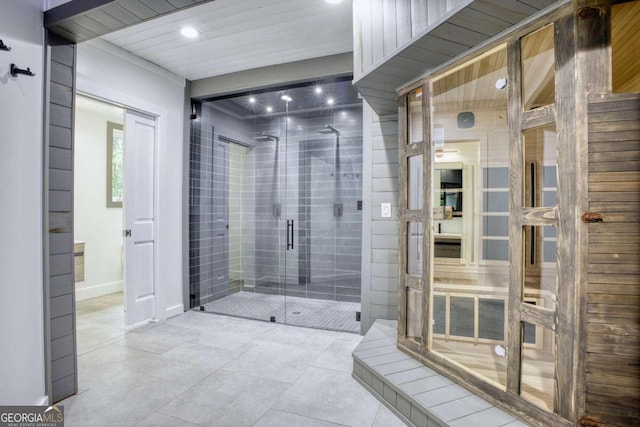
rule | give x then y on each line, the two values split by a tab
311	313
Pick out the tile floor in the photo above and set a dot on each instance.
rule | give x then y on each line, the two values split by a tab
312	313
201	369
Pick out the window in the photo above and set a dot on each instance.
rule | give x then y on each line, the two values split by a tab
115	164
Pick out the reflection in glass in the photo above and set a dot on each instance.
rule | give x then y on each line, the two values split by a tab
540	284
471	176
540	177
414	250
414	195
538	370
415	116
414	315
538	75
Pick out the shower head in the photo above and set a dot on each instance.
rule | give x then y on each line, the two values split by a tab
266	137
329	129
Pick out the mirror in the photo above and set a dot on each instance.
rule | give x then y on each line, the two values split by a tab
448	193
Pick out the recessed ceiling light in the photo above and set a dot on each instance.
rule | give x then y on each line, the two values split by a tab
189	32
286	98
318	89
330	101
252	100
269	109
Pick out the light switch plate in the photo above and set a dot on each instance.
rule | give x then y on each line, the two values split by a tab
385	210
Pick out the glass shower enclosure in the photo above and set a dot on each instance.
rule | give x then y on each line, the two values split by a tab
275	206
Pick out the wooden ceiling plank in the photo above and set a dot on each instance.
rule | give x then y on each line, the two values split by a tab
160	6
181	3
90	24
79	31
106	19
457	34
139	9
479	22
510	11
121	14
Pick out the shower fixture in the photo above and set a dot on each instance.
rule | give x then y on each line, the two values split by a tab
266	137
329	129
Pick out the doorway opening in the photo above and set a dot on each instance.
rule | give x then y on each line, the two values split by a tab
98	219
114	219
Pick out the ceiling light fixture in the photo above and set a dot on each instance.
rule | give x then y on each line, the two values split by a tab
318	89
330	101
269	109
286	98
252	100
189	32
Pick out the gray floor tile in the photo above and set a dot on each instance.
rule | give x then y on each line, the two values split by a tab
403	365
226	399
441	395
332	396
386	418
124	400
196	369
460	408
279	362
411	375
280	419
492	417
427	384
160	420
312	313
336	356
376	351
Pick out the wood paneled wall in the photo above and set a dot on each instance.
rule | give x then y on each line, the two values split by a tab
613	328
62	364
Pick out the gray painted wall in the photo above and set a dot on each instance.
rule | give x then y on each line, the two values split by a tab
379	235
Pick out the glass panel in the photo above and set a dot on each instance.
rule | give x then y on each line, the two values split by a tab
538	63
470	185
292	195
414	249
414	124
538	369
414	315
540	285
540	177
414	195
625	45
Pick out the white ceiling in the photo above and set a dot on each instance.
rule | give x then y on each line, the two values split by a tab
237	35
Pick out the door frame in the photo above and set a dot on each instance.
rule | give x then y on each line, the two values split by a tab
132	103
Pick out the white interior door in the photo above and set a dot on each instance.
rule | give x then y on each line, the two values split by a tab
139	217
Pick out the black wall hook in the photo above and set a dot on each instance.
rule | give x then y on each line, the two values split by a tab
15	71
4	46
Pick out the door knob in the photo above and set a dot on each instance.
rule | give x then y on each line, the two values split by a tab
126	233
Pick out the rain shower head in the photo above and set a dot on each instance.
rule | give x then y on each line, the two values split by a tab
266	137
329	129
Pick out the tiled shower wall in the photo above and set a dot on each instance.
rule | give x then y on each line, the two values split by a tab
307	177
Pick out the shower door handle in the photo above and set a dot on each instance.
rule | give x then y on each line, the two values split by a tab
289	234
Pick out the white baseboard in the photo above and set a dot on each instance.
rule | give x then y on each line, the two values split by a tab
174	311
83	293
